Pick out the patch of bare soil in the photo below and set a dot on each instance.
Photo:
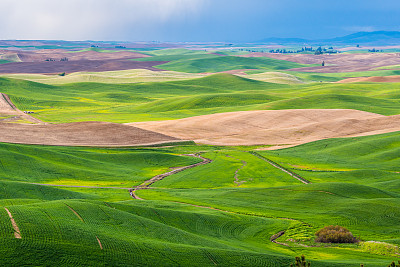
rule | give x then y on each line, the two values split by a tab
373	79
336	63
57	54
80	134
274	127
8	108
35	61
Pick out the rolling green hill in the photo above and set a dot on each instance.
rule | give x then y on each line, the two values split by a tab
199	61
84	166
180	99
225	63
354	184
83	233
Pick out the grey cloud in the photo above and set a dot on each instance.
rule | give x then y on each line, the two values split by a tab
90	19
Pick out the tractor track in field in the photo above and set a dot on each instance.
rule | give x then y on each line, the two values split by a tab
148	183
82	220
100	245
17	233
75	212
276	165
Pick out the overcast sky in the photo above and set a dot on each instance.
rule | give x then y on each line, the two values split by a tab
193	20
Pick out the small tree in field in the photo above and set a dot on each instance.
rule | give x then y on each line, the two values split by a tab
335	234
301	262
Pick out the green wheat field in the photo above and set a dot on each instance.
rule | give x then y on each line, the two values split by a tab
72	205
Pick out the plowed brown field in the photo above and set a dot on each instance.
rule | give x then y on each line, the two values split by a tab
373	79
80	134
336	63
57	54
54	67
275	127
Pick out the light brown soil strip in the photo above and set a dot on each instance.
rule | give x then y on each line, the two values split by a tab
76	213
276	165
98	240
17	233
8	101
148	183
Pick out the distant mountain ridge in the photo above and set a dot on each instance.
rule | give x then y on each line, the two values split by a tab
361	38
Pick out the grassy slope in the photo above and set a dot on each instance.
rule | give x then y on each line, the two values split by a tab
364	203
145	231
225	63
134	233
84	166
212	94
130	232
375	160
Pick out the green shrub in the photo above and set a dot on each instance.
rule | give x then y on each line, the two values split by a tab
335	234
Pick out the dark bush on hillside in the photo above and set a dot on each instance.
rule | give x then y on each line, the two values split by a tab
393	264
335	234
301	262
